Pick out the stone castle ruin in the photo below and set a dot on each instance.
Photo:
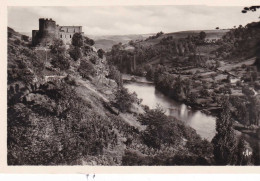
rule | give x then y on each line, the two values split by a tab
49	31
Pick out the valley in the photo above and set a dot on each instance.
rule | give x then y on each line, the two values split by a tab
199	75
136	92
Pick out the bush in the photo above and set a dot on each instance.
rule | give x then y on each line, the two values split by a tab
61	62
75	53
239	83
25	38
87	49
247	91
133	158
160	128
70	80
17	42
123	99
257	85
86	69
93	59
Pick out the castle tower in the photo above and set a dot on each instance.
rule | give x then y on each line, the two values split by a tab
47	30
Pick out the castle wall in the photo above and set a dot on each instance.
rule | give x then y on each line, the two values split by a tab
66	37
66	33
70	29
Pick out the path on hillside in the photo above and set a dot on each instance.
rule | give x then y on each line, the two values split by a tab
53	77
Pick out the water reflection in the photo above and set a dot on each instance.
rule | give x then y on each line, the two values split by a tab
203	124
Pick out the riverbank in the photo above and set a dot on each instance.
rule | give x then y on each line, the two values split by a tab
193	118
127	78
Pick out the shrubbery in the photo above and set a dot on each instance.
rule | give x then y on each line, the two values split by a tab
86	68
17	42
25	38
58	47
123	99
100	53
89	41
75	53
61	62
77	40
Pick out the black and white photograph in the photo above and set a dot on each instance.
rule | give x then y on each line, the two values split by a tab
139	85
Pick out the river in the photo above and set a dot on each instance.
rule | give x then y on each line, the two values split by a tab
202	123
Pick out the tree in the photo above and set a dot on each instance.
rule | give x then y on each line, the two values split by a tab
61	62
241	158
75	53
251	8
77	40
224	141
100	53
257	60
158	129
150	72
115	75
256	154
89	41
202	35
86	68
254	110
58	47
257	63
123	99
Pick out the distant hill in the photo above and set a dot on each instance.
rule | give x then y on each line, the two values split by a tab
211	34
107	41
104	44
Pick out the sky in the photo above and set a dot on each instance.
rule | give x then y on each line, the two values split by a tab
122	20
